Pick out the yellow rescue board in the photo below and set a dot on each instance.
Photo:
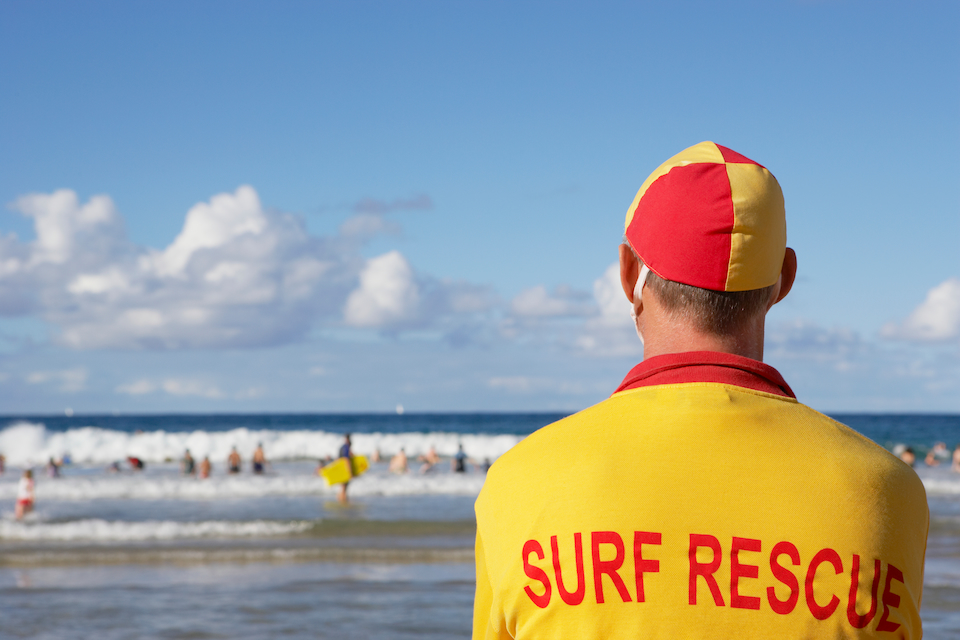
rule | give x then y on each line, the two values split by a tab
336	472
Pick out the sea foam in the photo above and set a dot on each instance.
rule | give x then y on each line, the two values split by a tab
97	530
162	482
31	443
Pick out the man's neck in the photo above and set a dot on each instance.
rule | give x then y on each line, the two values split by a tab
664	334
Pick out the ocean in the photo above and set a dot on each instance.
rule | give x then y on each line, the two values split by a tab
111	552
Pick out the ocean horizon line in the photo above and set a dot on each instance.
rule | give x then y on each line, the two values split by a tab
437	413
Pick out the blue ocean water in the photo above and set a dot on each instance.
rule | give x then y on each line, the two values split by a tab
461	423
912	429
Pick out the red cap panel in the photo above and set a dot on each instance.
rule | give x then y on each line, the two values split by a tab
682	225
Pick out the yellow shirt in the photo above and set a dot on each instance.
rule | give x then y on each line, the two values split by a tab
699	510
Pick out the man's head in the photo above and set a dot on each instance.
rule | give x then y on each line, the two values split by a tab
709	225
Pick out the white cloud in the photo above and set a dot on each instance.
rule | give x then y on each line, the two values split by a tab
598	325
185	387
111	281
213	224
137	388
936	319
565	302
608	292
235	276
70	380
462	297
388	293
612	333
835	368
64	228
526	385
838	347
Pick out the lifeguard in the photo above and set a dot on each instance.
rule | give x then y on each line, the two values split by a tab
701	500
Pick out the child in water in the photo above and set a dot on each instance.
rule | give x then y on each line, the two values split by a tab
25	495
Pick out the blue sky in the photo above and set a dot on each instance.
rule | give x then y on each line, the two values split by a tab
293	206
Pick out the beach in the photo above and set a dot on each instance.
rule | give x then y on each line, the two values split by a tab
155	554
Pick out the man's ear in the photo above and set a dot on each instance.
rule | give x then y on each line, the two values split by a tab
629	271
788	274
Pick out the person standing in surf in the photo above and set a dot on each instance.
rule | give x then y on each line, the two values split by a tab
458	464
188	465
233	461
205	468
259	459
787	525
25	495
346	453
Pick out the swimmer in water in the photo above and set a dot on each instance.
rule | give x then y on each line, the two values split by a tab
233	461
205	468
188	466
458	464
259	459
429	460
398	463
908	456
937	454
25	495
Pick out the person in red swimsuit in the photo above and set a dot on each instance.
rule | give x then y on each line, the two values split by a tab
25	495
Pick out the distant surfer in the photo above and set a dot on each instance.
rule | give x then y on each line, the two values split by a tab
205	468
25	495
136	464
233	461
259	459
789	524
956	459
347	453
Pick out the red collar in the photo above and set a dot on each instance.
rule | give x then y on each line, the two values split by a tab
706	366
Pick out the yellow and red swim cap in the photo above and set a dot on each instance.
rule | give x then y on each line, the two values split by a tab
710	218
